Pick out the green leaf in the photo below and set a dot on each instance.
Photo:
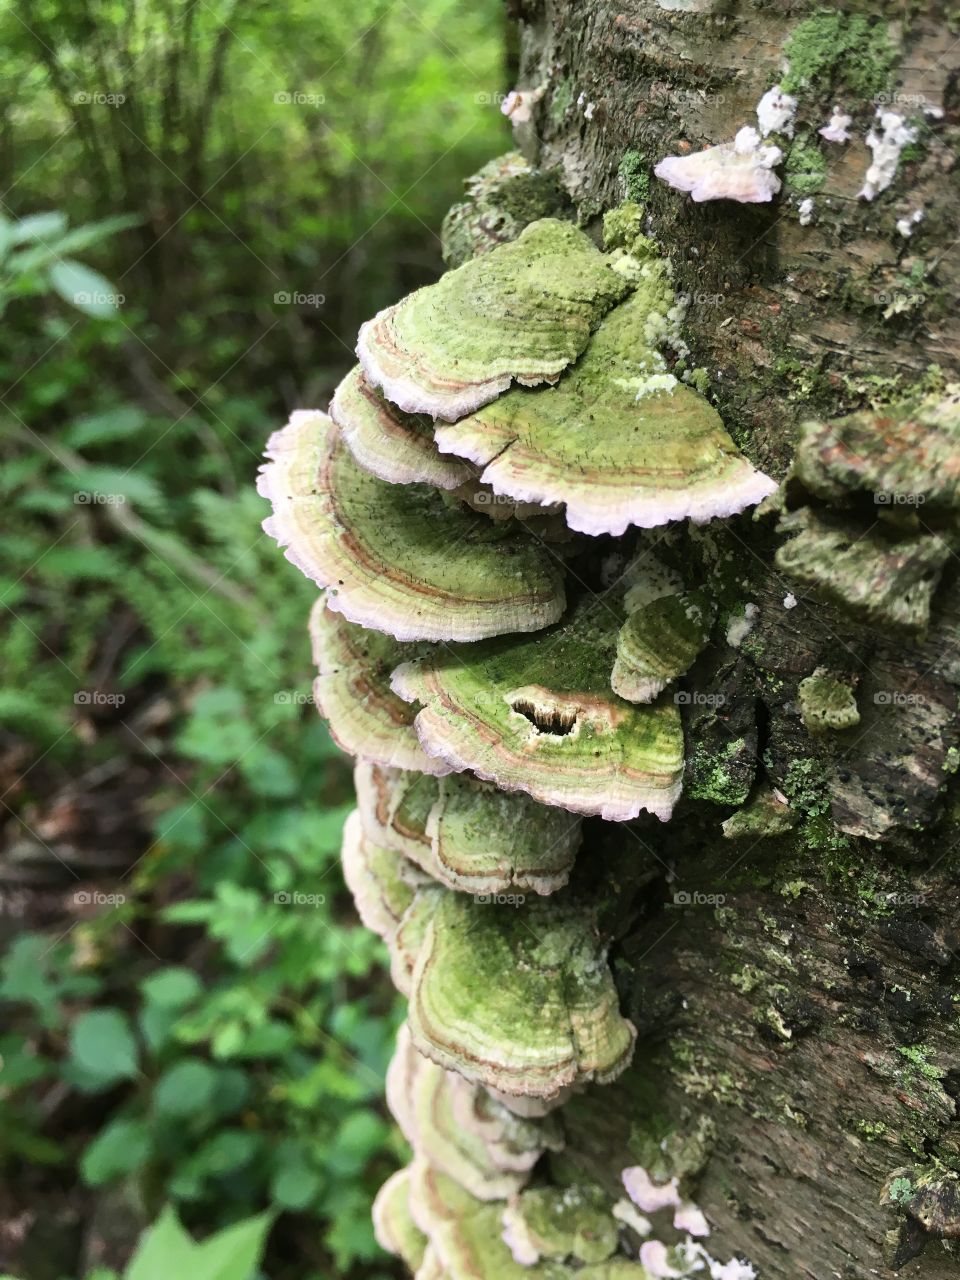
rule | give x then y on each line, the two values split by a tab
295	1183
185	1090
103	1048
119	423
122	1147
38	226
235	1253
172	988
114	485
164	1251
84	288
79	238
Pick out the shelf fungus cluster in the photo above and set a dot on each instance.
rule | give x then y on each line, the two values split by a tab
872	507
504	697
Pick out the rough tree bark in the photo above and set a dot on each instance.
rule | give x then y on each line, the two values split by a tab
798	1042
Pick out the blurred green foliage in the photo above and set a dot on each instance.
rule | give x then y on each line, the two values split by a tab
192	1015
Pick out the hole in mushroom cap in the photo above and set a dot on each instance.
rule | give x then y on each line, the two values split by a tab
558	721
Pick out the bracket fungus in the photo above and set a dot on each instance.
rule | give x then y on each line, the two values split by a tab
741	170
878	574
522	312
411	931
612	454
465	834
395	446
480	973
659	641
394	805
515	1142
827	702
464	1232
421	1096
374	876
487	716
393	1225
538	715
905	456
395	557
562	1223
501	199
352	692
882	562
489	841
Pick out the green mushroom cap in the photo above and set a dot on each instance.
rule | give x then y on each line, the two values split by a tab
902	455
396	446
522	312
393	1224
352	692
483	969
422	1100
882	575
489	841
573	1222
659	641
397	558
468	835
538	715
465	1232
375	877
619	443
826	702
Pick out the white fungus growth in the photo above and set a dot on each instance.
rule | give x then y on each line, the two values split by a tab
790	601
647	1195
837	128
905	225
586	107
519	103
775	112
690	1219
739	628
886	144
656	382
805	209
741	170
626	1213
689	1259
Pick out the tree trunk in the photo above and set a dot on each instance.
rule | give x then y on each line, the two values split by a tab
796	995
